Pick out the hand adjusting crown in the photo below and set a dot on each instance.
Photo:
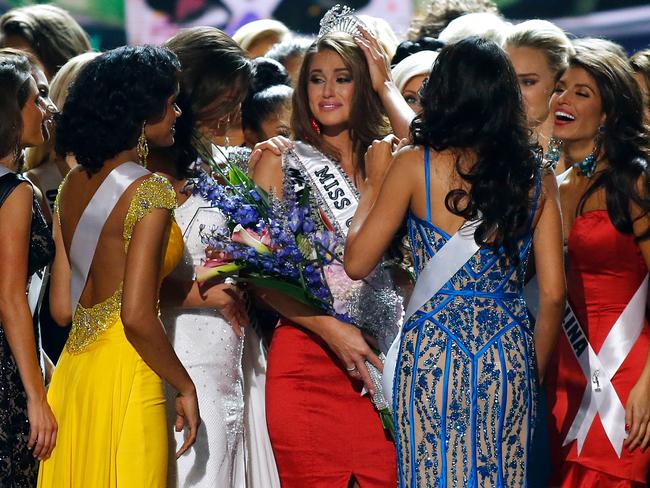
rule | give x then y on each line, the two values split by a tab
340	18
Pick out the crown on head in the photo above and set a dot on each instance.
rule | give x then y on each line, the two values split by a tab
340	18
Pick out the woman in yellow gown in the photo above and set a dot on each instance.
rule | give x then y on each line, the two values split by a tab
106	392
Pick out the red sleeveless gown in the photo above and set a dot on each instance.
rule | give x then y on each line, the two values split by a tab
322	430
605	269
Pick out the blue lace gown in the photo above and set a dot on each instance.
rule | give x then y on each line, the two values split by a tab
466	381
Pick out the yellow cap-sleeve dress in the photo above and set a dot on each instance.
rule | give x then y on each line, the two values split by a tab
108	402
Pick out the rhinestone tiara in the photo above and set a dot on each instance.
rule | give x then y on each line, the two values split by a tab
340	18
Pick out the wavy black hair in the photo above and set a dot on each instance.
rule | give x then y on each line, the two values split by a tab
113	95
269	91
624	139
472	101
406	48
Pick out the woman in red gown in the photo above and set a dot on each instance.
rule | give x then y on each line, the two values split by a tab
323	432
598	115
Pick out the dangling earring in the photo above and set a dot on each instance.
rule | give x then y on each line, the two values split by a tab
226	139
142	149
314	125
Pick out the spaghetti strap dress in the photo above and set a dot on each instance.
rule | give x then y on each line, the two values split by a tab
466	382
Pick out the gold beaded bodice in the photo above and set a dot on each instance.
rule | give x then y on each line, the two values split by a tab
88	324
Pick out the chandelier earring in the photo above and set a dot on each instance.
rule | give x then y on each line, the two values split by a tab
142	149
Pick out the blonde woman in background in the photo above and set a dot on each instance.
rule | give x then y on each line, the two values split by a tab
46	170
409	75
47	31
259	36
43	167
539	51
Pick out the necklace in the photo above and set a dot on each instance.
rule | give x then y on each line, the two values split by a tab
586	167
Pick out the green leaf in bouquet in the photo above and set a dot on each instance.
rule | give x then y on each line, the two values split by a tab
292	290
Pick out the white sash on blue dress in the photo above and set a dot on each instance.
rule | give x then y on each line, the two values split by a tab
442	266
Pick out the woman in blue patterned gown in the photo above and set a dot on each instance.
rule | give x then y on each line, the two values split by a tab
469	362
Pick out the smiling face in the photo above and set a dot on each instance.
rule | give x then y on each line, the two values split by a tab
411	92
536	81
34	115
330	89
577	106
161	133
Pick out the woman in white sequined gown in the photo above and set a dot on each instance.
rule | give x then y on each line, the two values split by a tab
204	323
211	352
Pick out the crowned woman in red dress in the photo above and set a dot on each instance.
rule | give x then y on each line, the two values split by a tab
599	380
324	433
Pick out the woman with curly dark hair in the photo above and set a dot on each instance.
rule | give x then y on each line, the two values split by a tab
114	243
27	425
599	382
468	362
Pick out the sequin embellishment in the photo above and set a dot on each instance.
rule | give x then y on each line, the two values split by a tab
465	383
89	323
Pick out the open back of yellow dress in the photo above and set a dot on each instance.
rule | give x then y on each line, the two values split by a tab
108	402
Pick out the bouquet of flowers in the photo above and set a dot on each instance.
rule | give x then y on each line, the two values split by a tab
277	243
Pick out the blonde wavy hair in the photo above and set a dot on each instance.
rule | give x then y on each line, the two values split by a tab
37	156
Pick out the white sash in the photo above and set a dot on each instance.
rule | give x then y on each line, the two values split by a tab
336	195
600	396
439	270
91	223
4	170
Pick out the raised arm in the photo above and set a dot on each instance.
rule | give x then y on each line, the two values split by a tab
142	325
398	111
267	172
384	201
16	318
549	263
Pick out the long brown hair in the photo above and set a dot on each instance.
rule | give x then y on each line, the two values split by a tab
213	68
53	34
624	137
367	119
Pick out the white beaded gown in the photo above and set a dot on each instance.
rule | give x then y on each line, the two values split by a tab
209	349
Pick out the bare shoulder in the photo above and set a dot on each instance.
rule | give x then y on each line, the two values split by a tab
409	158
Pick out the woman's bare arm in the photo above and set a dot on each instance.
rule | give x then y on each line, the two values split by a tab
384	202
16	318
139	315
549	263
